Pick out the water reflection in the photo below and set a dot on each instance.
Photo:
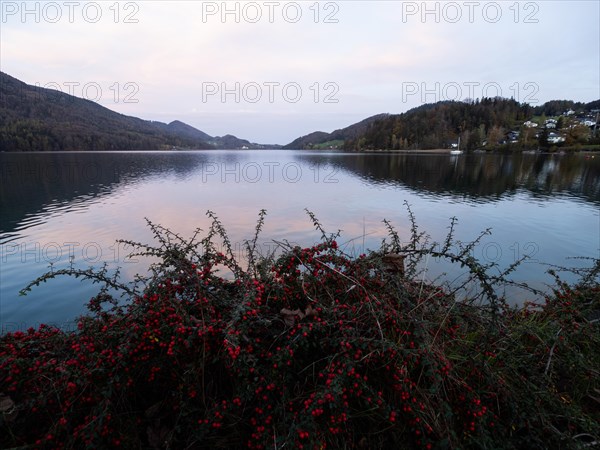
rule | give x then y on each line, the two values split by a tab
478	177
56	204
34	183
48	183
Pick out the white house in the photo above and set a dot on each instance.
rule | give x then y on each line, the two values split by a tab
587	122
554	138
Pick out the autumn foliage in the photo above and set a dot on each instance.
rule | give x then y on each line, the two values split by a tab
311	349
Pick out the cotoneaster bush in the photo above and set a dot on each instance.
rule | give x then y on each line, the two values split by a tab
313	349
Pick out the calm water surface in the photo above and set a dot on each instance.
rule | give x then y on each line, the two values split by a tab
71	207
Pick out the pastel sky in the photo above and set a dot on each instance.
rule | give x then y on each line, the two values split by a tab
273	71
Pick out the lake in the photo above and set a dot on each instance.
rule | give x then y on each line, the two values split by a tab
64	208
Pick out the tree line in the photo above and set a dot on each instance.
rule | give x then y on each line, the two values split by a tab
479	123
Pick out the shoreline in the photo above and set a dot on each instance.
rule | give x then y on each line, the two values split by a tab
560	151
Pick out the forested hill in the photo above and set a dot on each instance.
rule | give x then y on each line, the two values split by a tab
490	122
37	119
320	139
438	125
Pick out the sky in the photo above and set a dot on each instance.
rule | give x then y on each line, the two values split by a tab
272	71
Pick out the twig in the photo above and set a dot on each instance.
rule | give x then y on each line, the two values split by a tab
424	274
551	353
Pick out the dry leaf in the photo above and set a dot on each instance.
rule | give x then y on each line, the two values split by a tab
395	263
7	408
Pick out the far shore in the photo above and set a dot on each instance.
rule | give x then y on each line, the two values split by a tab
481	151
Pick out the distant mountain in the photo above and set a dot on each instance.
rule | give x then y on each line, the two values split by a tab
37	119
313	140
183	129
220	142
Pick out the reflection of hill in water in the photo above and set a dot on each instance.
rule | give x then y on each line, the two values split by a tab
35	182
483	177
45	182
